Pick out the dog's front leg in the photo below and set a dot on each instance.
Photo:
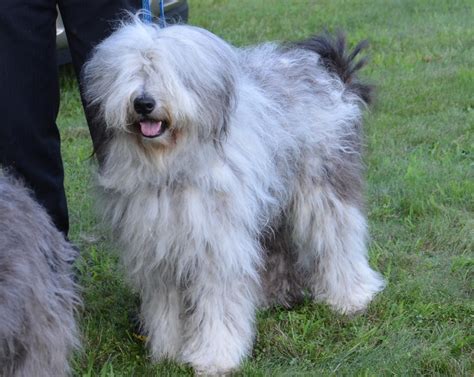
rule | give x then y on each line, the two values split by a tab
219	316
161	307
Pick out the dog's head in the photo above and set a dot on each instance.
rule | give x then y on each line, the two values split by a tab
161	85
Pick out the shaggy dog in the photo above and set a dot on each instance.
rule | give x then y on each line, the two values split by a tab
232	179
37	292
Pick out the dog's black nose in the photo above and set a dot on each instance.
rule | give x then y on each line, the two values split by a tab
144	105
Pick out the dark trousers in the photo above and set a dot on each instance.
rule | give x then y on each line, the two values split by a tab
29	89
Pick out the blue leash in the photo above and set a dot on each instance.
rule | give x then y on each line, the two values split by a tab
162	14
147	13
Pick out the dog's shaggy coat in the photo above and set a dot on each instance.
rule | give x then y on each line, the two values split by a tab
37	292
232	178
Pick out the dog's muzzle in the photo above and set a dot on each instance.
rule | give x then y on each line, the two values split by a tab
146	124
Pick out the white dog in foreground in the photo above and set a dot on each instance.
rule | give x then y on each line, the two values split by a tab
232	179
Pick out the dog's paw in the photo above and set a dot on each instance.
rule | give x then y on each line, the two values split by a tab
353	299
212	366
207	373
212	361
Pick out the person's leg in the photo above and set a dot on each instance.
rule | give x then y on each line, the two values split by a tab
29	100
88	22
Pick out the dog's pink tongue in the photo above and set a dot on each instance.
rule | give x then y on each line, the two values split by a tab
150	128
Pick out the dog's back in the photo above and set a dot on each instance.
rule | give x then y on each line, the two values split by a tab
301	62
37	292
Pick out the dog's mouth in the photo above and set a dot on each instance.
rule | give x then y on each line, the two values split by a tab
151	128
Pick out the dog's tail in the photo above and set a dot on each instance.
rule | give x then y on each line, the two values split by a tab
336	59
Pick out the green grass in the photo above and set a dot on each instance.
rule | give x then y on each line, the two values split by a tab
420	195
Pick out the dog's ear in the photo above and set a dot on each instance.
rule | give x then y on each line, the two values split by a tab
215	99
97	126
220	103
208	69
100	134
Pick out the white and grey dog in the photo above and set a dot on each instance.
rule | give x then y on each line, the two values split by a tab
232	178
38	296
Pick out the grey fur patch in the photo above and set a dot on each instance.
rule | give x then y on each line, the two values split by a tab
282	283
37	293
344	172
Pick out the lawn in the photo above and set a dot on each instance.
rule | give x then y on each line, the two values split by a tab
420	202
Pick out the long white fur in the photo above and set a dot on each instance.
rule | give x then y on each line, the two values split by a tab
245	151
